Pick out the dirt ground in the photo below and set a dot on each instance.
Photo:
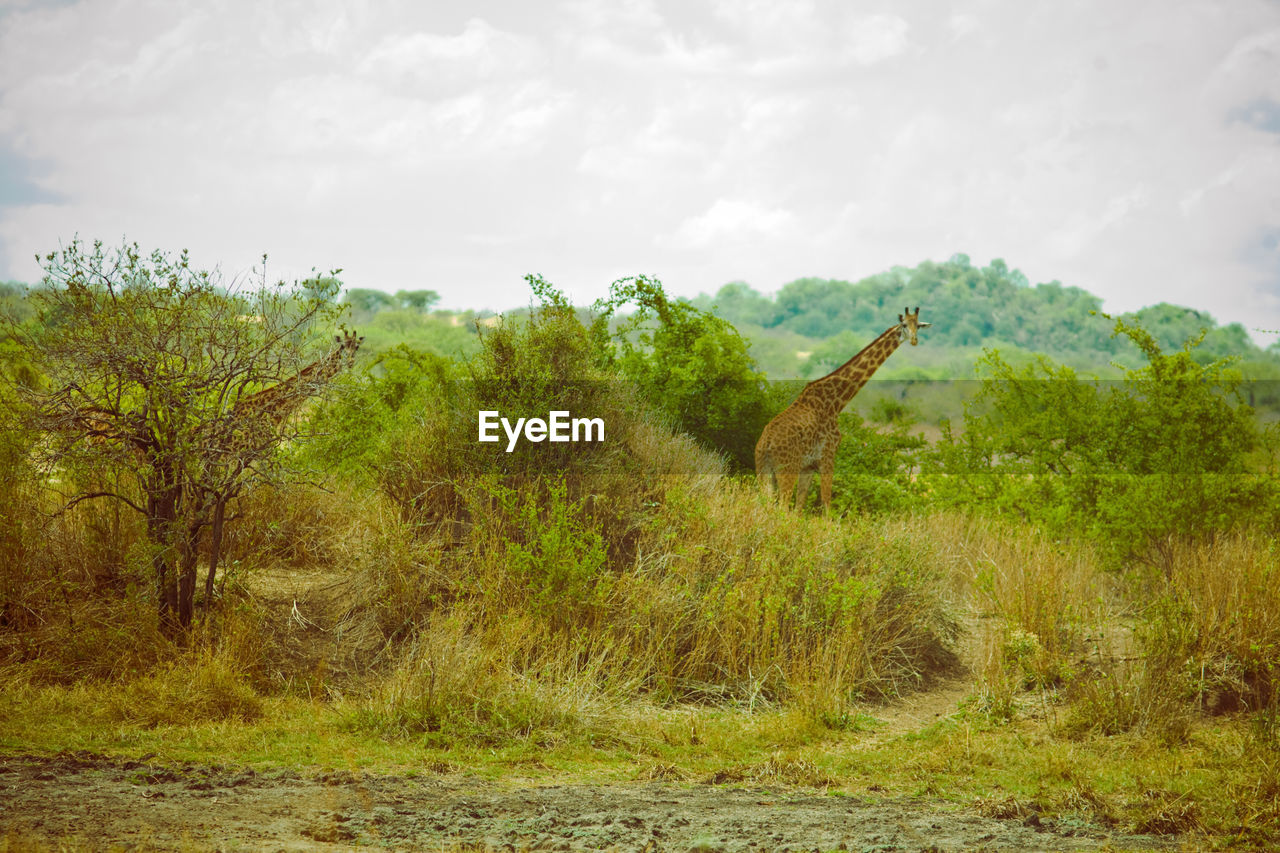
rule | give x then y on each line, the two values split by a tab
96	802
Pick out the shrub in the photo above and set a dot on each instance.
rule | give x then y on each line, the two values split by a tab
630	569
1161	456
691	366
875	468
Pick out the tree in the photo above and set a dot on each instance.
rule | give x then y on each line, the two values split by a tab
180	389
1163	454
691	365
417	300
365	302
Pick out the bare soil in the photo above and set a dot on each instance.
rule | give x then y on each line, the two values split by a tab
92	802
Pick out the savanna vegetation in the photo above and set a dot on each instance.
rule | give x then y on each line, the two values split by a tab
1091	547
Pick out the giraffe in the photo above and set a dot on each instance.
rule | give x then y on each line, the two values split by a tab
253	424
803	438
271	407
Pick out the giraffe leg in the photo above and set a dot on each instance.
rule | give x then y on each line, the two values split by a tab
802	488
828	468
786	484
764	475
828	475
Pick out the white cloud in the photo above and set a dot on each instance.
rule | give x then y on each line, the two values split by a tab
730	221
962	24
876	38
770	21
1083	229
615	14
479	53
1192	200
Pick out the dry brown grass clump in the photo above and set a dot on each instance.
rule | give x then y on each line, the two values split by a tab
1038	606
1208	642
723	598
1222	613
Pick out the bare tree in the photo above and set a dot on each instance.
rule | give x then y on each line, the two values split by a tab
181	388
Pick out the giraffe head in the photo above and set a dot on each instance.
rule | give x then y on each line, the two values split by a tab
909	324
348	343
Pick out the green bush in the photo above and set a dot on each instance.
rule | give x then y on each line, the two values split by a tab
1162	455
552	545
874	468
691	366
441	477
350	429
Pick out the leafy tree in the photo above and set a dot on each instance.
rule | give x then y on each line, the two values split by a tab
417	300
431	464
1172	326
874	467
740	304
690	365
365	302
376	403
150	370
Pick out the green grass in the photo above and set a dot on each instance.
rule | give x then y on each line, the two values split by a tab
1218	782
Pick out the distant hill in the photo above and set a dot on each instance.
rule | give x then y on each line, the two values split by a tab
814	324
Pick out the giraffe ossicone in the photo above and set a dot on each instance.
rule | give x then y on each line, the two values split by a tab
804	437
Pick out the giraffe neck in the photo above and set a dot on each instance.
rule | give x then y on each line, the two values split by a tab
281	399
833	392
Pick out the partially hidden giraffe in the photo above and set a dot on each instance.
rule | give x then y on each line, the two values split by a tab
250	417
263	412
803	438
254	422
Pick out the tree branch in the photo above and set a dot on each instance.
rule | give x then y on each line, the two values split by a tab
81	498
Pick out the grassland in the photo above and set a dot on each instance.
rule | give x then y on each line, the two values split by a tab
632	615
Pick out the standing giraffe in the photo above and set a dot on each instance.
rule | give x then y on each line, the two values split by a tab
803	438
253	425
269	408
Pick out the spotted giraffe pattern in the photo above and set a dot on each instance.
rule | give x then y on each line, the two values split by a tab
804	437
259	416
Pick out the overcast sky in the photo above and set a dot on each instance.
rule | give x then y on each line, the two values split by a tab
1129	148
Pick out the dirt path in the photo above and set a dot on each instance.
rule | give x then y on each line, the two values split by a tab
99	802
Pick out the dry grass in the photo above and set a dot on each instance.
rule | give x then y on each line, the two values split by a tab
1208	643
726	600
1038	608
1225	595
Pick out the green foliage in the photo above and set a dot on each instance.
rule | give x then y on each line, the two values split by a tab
742	305
874	468
137	365
552	546
526	368
366	301
1163	453
447	335
350	429
690	365
971	307
417	300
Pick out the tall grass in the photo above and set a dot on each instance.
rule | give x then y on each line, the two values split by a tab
721	598
1218	619
1036	607
631	570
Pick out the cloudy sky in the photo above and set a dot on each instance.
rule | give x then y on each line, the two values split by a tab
1132	148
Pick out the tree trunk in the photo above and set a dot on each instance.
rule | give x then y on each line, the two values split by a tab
215	547
187	582
164	497
197	520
